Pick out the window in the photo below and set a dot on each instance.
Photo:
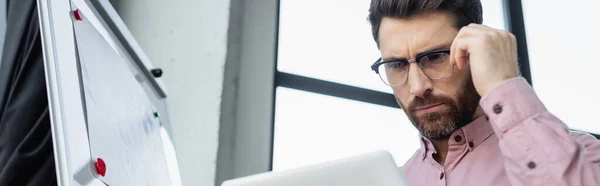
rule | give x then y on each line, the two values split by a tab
337	46
311	127
493	14
563	67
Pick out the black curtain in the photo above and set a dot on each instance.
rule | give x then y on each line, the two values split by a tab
26	154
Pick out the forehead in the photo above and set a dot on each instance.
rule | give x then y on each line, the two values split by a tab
409	37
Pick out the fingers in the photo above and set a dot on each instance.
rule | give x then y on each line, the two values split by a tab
479	26
462	49
489	31
452	51
463	42
459	52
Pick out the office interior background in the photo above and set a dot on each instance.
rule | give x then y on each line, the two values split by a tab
261	85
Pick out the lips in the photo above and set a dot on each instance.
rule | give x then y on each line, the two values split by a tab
427	106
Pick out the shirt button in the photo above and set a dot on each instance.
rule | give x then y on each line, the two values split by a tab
497	109
457	138
471	144
531	165
442	176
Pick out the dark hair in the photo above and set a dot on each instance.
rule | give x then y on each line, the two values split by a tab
464	11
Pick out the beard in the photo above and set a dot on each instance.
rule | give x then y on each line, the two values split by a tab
441	124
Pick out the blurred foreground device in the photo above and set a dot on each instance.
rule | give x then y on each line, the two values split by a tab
372	169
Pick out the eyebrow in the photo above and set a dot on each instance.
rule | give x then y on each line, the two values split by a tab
431	49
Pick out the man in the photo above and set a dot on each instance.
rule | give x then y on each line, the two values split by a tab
480	123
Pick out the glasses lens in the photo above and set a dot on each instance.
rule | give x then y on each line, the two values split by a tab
436	65
393	73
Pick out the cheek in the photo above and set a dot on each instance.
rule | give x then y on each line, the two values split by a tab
449	89
452	85
402	95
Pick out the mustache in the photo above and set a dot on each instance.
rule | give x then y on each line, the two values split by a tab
429	100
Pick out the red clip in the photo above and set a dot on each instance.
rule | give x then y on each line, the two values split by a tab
77	15
100	167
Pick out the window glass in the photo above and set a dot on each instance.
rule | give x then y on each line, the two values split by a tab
312	128
561	48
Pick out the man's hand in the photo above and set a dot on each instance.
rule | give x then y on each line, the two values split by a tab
491	53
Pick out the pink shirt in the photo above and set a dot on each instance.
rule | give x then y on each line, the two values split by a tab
520	144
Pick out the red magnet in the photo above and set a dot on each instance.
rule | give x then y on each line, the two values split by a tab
77	15
100	167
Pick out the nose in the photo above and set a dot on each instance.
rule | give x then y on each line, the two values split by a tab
419	83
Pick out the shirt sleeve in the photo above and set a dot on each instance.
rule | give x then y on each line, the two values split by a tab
538	147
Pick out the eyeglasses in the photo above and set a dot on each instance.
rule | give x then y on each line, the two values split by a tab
434	64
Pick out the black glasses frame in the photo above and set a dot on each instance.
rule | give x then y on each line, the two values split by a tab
375	66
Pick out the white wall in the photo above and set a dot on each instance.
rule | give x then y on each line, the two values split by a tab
188	40
218	57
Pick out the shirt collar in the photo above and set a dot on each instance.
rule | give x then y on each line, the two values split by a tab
427	147
475	132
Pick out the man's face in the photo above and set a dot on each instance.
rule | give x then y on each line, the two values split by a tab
436	107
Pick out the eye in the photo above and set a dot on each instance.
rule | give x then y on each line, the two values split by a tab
396	65
435	57
432	59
